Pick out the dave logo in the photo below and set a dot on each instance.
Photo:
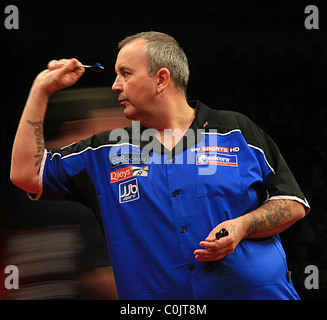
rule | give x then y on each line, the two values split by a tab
129	191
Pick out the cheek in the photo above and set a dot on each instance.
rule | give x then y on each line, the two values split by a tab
141	87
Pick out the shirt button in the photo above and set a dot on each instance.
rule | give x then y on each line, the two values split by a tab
183	229
191	267
175	193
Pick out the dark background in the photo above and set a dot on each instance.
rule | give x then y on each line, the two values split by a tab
255	57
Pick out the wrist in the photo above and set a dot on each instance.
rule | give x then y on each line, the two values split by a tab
39	90
37	102
241	223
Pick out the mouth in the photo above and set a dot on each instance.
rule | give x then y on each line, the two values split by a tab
122	101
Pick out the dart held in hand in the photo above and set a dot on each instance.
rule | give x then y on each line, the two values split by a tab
96	67
222	233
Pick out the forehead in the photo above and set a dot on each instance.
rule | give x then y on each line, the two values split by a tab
132	55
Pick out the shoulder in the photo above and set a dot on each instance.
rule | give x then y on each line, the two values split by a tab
234	120
251	132
225	121
97	141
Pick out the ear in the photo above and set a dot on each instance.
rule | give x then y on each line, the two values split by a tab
163	79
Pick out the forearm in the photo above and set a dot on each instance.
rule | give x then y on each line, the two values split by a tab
28	145
271	218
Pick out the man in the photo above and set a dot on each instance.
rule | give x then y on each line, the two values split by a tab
165	186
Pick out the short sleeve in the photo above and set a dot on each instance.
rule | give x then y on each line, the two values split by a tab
281	183
58	172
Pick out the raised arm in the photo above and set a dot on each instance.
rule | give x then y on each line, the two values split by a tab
28	145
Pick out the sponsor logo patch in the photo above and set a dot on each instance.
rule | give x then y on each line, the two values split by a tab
216	149
128	172
129	191
128	158
216	158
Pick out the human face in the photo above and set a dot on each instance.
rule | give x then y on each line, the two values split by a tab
136	89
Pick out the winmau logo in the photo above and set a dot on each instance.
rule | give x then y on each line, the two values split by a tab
129	191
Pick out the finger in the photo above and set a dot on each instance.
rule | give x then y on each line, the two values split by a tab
72	64
211	236
209	245
71	68
216	244
207	252
66	64
57	64
202	252
208	255
209	258
69	65
53	64
219	246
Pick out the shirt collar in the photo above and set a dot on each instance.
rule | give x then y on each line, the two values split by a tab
205	119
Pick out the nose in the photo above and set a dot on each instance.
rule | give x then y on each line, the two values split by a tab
117	87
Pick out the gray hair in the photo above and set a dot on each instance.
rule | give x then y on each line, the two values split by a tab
163	52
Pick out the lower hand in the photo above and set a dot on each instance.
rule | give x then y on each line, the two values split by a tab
217	249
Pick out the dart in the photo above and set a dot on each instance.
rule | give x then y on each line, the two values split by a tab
96	67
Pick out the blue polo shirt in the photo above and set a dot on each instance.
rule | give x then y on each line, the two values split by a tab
155	205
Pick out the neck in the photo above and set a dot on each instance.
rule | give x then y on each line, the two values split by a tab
175	114
171	121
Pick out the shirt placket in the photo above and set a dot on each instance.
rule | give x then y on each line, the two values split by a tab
180	178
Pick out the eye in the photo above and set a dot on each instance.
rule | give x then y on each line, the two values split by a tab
125	73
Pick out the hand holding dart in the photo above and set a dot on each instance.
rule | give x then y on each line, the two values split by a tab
222	233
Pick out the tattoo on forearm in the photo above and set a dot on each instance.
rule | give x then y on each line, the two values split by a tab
38	132
276	212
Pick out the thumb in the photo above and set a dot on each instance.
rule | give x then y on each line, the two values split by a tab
71	66
211	236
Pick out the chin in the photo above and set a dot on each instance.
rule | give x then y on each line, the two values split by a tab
129	114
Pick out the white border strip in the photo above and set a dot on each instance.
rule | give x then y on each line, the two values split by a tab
222	134
91	148
250	145
41	171
257	148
